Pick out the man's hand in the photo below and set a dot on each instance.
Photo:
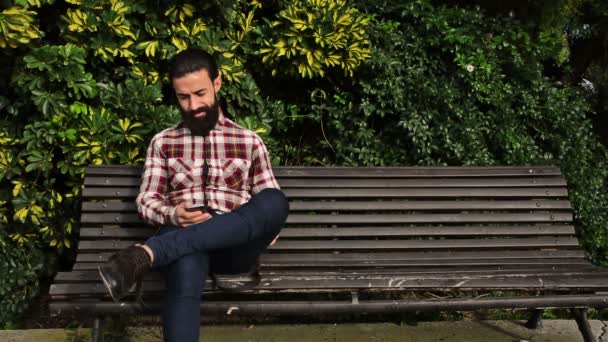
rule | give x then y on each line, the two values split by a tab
274	241
186	218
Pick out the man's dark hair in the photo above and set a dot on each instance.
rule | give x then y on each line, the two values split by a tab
191	60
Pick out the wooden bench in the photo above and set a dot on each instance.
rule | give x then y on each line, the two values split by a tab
363	240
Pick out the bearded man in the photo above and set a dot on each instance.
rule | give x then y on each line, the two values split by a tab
208	185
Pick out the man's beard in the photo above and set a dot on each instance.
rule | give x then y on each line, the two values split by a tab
203	125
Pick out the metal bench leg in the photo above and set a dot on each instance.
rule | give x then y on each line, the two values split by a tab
580	315
96	334
535	322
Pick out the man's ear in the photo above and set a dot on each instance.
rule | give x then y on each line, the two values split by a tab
217	83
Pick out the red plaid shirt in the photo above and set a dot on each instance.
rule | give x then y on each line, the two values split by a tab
238	167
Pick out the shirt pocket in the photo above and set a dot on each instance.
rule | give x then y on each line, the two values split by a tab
235	172
184	173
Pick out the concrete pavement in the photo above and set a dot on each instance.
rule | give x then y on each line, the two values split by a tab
469	331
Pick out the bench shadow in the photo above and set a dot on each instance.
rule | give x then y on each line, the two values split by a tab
515	336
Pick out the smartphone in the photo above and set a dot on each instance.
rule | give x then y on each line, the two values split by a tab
197	207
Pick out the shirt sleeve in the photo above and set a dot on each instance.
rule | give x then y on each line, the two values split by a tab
261	170
151	201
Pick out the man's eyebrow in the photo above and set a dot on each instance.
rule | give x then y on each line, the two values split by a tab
194	92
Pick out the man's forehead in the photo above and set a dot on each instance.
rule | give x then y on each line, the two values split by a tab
196	79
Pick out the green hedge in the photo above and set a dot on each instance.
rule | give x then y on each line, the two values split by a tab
324	82
22	267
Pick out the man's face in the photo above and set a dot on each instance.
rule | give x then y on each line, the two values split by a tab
196	94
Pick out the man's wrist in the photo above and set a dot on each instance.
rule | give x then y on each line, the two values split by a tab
173	216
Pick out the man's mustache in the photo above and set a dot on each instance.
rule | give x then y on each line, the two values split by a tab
193	112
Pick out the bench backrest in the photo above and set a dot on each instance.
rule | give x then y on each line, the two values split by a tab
351	218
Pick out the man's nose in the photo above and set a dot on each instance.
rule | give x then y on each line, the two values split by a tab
196	103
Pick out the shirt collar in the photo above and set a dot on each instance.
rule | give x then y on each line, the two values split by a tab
220	120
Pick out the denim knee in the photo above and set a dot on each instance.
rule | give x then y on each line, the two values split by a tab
276	205
187	275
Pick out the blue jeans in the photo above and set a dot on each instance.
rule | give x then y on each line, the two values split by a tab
228	243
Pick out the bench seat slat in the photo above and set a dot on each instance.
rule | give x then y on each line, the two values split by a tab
505	263
590	280
428	264
84	275
545	256
307	308
411	265
426	255
538	242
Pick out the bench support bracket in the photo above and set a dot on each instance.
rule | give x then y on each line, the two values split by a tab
96	335
535	322
580	315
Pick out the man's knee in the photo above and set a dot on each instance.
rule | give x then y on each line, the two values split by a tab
276	199
187	275
277	203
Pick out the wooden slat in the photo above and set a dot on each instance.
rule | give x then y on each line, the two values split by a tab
425	193
115	218
425	255
107	233
428	264
113	181
415	265
116	233
591	280
541	192
109	206
537	242
422	183
372	218
258	307
540	242
115	193
438	205
380	172
367	172
440	271
528	282
546	256
426	231
441	205
89	275
428	218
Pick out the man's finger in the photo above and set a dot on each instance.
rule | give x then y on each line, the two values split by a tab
274	241
198	219
192	217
